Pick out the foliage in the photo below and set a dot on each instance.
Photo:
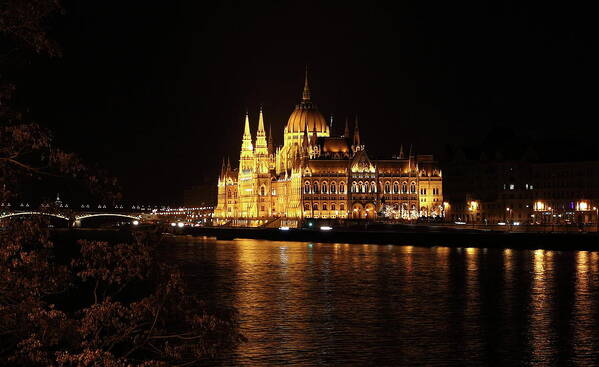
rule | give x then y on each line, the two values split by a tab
86	303
105	305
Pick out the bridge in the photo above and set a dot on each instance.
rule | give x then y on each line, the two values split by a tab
73	218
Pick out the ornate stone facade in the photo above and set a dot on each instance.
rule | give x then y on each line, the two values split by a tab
315	175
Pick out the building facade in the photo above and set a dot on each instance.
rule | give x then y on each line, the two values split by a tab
317	175
523	191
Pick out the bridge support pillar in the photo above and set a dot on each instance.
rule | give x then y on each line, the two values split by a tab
76	223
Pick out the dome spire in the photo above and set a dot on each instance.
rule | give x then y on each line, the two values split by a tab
306	95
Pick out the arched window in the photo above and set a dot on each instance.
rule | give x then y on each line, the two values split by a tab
342	187
372	187
361	186
307	187
315	206
396	187
324	188
262	190
306	206
315	188
333	206
333	187
354	187
324	206
413	187
341	206
387	187
404	187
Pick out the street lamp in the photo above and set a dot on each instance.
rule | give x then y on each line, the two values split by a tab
596	209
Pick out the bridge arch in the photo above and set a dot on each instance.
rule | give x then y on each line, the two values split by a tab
85	216
9	215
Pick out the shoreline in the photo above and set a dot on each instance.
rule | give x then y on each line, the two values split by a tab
428	238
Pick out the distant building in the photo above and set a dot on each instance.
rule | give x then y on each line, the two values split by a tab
316	175
495	188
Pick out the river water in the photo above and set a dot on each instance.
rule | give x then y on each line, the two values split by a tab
337	304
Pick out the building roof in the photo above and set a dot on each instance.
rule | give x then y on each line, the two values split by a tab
306	116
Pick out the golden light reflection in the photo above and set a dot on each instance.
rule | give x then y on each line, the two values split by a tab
584	304
407	252
541	298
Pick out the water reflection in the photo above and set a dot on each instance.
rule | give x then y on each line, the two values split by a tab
340	304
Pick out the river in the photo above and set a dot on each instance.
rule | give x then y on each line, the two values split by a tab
338	304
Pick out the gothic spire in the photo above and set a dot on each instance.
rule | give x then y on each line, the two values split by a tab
246	144
270	146
314	137
356	133
222	169
261	144
246	131
306	95
346	132
331	126
306	139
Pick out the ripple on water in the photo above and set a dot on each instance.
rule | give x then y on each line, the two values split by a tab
338	304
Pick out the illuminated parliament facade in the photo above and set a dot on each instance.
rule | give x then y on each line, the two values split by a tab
317	175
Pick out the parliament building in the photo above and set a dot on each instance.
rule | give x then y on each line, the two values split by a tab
317	175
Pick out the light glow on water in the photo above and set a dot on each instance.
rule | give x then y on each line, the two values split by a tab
301	303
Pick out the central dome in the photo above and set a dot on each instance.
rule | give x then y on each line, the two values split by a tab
306	116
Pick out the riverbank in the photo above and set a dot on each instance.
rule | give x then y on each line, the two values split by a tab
419	236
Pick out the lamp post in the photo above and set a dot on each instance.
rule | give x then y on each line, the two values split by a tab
596	209
509	214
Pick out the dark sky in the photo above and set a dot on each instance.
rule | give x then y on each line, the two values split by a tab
156	91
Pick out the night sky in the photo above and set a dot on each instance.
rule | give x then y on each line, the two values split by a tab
155	92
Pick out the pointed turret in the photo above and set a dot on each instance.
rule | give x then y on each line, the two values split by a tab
306	95
410	159
331	125
261	144
314	137
356	133
247	135
270	145
346	132
246	158
222	170
306	139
